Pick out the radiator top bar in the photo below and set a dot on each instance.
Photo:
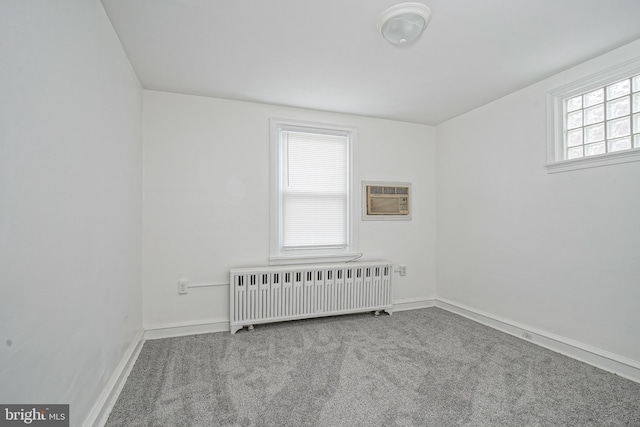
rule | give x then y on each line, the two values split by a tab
310	267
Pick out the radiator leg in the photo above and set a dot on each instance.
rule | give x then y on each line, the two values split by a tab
376	313
250	328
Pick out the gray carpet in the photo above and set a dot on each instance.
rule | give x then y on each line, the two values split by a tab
416	368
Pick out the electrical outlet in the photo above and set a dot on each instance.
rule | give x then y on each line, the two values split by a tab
527	335
403	270
183	286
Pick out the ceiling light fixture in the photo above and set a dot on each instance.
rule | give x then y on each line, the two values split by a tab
403	23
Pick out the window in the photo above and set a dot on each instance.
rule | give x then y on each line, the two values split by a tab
596	121
311	192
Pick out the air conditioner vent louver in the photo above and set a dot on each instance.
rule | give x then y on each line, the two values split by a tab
389	190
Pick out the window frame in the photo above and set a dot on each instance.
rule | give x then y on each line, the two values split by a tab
556	161
277	254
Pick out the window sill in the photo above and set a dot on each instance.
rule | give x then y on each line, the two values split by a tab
313	259
625	156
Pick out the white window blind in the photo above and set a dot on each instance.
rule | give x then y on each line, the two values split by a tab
314	189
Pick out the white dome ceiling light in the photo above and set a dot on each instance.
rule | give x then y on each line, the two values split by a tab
403	23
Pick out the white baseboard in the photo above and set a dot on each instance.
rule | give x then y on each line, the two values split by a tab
413	303
179	329
599	358
102	408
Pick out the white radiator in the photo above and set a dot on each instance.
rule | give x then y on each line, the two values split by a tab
273	294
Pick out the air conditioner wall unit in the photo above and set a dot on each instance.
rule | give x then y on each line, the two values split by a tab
386	200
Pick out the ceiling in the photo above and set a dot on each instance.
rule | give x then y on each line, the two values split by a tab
328	54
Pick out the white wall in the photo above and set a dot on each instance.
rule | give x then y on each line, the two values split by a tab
206	199
557	252
70	203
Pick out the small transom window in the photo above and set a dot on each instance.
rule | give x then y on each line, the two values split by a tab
595	121
604	120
